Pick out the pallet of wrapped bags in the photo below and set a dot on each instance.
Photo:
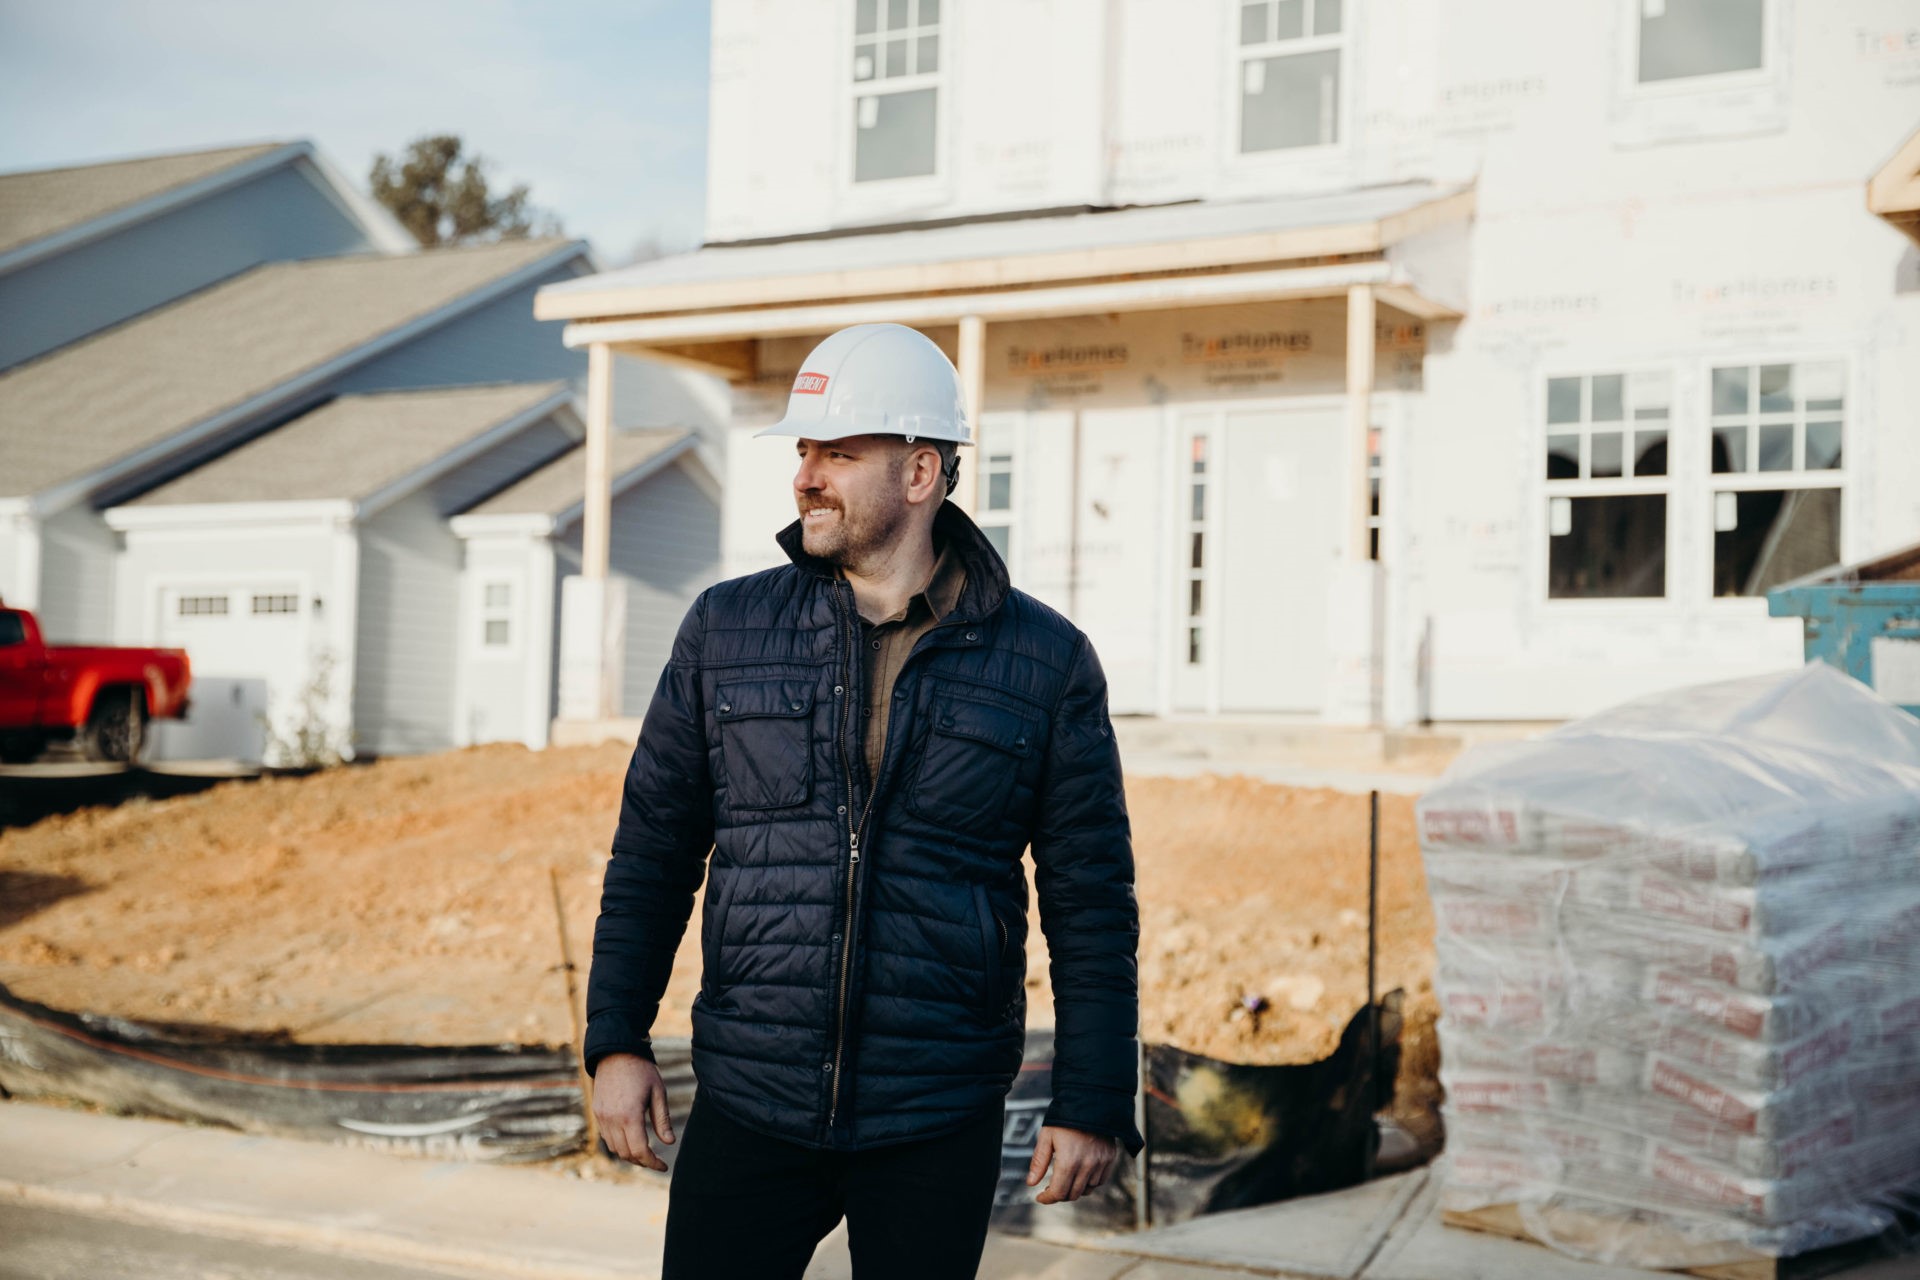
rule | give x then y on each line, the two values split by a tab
1679	976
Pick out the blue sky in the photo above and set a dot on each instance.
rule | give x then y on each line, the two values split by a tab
600	106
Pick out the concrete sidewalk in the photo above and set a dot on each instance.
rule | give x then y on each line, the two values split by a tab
489	1220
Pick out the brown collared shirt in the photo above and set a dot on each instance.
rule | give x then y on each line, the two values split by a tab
889	641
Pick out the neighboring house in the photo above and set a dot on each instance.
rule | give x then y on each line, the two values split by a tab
319	554
523	542
207	408
178	386
1466	360
87	247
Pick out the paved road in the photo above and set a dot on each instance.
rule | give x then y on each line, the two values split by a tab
44	1244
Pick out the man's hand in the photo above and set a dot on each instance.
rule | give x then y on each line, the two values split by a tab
1081	1162
627	1093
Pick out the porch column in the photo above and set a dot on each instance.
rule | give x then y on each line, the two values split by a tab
1353	601
1360	327
592	609
598	515
973	382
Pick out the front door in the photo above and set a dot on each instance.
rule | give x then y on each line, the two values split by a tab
1258	499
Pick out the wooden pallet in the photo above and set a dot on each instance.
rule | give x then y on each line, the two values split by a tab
1646	1240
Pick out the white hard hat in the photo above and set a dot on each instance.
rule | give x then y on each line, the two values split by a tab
875	379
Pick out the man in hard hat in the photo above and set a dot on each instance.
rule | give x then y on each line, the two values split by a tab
867	740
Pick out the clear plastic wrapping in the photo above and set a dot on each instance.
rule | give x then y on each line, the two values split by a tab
1679	972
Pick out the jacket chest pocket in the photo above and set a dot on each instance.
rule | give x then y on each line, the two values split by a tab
766	742
971	760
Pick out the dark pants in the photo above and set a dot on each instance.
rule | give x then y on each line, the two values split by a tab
745	1204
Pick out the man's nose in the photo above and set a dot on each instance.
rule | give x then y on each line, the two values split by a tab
806	478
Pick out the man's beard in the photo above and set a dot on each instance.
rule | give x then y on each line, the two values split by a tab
855	539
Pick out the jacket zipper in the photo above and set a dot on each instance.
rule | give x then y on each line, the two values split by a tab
853	854
854	827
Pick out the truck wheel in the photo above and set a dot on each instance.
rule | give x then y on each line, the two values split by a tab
117	729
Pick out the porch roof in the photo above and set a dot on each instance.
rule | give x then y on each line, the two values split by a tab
1048	265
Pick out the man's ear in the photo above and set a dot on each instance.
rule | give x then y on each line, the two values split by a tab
924	477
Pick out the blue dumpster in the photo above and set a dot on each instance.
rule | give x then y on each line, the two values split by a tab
1863	619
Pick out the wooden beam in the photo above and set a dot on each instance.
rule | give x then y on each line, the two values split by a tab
1030	304
1894	191
734	359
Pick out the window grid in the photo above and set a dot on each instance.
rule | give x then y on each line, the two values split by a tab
1373	493
895	39
201	606
1606	463
995	515
1780	419
496	615
1195	549
276	603
1289	61
1776	451
1610	426
895	77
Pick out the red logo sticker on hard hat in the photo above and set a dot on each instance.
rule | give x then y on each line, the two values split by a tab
810	384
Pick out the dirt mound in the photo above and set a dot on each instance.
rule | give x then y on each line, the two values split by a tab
409	900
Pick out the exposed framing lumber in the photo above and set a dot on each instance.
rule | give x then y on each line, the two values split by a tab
1894	192
1031	304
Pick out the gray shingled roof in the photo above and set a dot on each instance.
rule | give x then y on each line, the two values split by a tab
355	446
77	410
46	202
563	482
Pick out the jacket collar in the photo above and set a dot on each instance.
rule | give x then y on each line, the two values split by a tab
987	582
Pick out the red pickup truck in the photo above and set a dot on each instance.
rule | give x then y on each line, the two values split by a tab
98	697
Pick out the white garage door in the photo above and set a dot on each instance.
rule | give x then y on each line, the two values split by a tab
248	646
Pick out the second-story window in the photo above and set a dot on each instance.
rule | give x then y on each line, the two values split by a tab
1681	39
1289	61
896	75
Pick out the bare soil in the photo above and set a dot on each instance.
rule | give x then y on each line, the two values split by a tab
410	901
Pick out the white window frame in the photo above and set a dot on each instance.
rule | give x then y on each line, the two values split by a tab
999	437
884	192
1695	108
1237	55
225	610
1546	490
1714	482
1207	435
513	614
1713	82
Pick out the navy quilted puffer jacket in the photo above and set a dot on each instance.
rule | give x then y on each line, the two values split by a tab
864	946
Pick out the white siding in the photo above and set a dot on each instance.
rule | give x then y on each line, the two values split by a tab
77	553
232	682
409	606
666	544
16	535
